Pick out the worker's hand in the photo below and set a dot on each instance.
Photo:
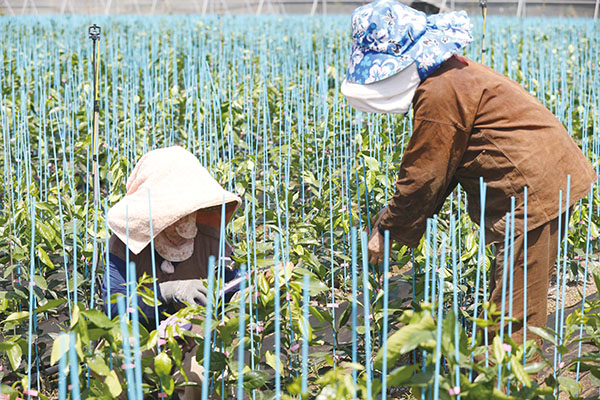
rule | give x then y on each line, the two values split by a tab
376	247
376	243
190	291
377	219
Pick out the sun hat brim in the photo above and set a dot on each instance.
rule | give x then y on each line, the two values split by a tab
170	183
445	35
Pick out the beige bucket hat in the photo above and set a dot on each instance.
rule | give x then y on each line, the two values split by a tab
179	185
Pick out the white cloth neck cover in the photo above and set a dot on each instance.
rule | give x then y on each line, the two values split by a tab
392	95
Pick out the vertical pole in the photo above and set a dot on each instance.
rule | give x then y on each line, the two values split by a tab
11	12
277	322
440	316
386	269
521	8
73	368
94	33
208	327
305	335
62	367
483	5
241	334
354	322
366	309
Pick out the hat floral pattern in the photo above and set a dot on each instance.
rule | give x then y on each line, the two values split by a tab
388	36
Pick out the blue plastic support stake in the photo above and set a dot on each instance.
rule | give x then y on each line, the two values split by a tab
305	337
31	295
135	321
74	368
277	301
455	302
525	244
585	273
354	322
127	270
127	364
386	272
62	367
503	302
208	326
564	268
480	263
439	321
75	261
511	252
153	259
241	334
558	271
366	310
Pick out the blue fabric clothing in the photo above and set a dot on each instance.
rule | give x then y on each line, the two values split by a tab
116	273
118	279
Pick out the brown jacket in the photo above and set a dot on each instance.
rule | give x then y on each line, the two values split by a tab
196	267
471	122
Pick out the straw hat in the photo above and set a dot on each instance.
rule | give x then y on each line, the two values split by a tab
178	185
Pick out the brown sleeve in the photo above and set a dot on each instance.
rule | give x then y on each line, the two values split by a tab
426	173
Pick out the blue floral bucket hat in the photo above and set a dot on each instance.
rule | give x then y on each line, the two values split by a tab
388	36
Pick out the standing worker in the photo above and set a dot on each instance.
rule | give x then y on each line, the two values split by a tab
186	207
469	122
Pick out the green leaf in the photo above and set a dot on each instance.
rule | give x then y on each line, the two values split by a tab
74	316
40	282
6	346
43	256
270	359
569	385
59	347
544	334
345	317
50	305
255	379
519	371
322	317
227	329
168	385
98	365
534	368
498	350
113	384
401	375
14	356
162	365
406	339
316	287
17	316
218	361
48	233
98	318
596	275
421	379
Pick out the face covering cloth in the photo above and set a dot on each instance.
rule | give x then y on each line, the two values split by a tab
392	95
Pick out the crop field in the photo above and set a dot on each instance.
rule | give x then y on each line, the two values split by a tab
258	101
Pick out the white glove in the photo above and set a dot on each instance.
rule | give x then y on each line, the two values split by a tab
184	291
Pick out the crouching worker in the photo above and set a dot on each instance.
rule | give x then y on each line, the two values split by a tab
186	205
469	122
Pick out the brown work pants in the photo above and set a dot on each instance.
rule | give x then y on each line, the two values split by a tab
542	244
